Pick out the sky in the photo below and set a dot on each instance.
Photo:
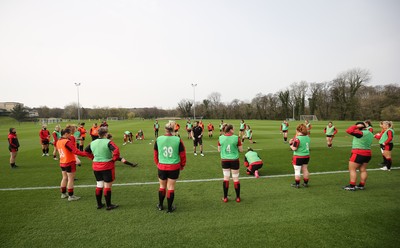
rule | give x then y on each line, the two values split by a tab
148	53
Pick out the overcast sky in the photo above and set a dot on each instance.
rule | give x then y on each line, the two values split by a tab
148	53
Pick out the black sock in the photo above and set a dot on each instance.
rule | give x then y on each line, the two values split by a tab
161	196
170	198
389	163
107	195
237	189
225	186
99	195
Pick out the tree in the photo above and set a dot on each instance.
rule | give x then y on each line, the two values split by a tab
298	97
284	97
184	107
344	92
70	111
217	109
19	112
44	112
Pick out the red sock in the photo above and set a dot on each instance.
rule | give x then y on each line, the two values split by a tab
99	191
63	190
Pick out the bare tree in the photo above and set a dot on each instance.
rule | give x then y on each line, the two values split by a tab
216	108
284	97
298	93
185	106
344	91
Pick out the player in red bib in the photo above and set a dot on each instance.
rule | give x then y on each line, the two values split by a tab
44	135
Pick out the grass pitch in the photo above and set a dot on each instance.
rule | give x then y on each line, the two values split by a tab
271	214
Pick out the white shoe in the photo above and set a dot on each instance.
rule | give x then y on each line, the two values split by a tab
202	154
64	195
73	198
55	158
384	168
47	154
124	144
195	154
43	155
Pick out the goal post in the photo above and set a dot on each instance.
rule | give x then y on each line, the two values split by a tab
308	117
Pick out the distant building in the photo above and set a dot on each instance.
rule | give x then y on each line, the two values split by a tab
8	106
49	120
33	113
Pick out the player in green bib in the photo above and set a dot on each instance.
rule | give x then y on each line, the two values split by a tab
242	128
284	130
386	144
253	162
229	146
221	127
360	155
248	134
170	158
309	126
128	137
104	154
301	155
189	127
330	131
56	136
156	127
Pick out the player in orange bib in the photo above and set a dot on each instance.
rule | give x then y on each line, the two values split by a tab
67	150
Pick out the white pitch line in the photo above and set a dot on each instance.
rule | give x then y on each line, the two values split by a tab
183	181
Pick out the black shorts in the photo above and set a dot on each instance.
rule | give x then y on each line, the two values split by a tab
299	161
255	167
45	141
107	176
388	147
359	159
241	130
198	142
82	138
165	174
69	169
13	149
284	131
230	164
329	136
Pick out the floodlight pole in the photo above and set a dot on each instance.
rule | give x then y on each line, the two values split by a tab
293	112
77	89
194	101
